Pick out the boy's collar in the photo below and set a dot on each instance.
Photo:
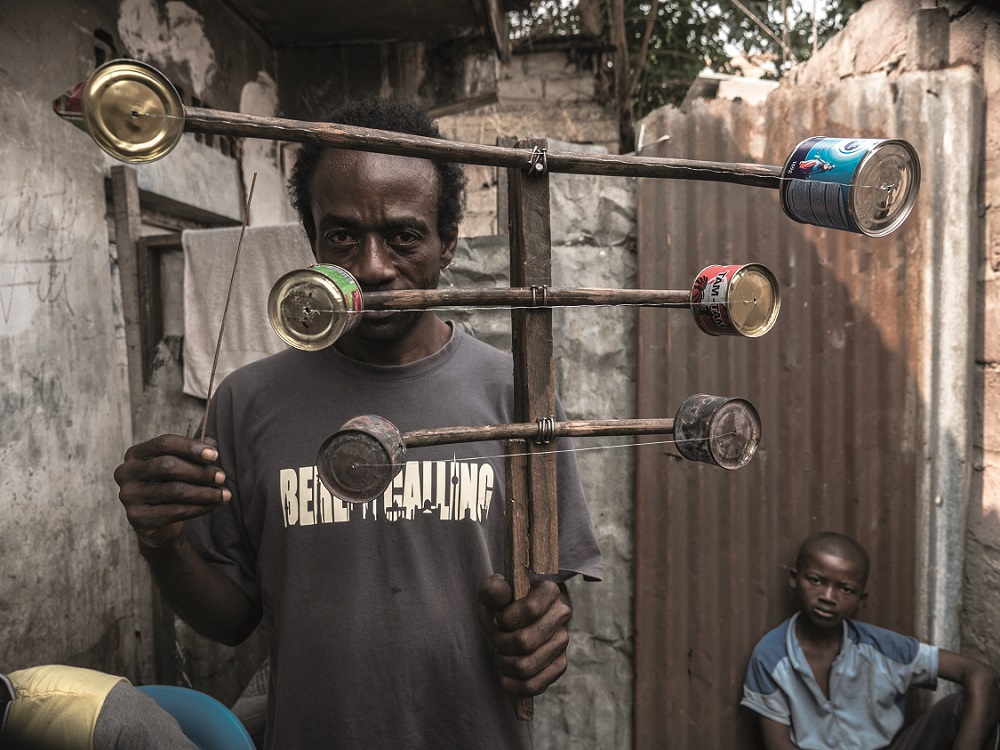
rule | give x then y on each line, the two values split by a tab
794	648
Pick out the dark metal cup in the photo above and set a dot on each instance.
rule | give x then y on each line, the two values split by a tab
358	462
717	430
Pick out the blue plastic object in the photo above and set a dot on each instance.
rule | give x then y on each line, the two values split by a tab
204	720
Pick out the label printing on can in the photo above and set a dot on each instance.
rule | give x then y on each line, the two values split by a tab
735	300
311	308
862	185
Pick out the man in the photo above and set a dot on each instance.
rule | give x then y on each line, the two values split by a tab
823	681
370	610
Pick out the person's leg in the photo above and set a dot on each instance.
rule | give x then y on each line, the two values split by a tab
131	720
936	729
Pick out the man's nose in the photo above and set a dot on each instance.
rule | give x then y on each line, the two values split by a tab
827	594
374	266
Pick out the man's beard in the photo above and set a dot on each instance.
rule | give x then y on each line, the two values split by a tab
392	327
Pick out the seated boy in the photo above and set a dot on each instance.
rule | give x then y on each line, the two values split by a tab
822	681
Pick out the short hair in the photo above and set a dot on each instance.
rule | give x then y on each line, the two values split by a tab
392	114
838	545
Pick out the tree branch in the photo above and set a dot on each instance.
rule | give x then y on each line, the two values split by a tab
640	63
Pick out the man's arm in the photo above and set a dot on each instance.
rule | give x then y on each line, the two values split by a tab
529	636
981	701
776	736
163	483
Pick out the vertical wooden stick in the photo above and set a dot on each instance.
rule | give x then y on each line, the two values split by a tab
516	551
534	373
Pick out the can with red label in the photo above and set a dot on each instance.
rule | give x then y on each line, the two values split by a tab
312	307
737	300
864	185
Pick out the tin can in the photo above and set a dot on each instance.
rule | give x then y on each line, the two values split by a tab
738	300
358	462
717	430
311	308
131	110
864	185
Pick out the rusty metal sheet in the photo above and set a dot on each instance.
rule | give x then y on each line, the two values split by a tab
835	383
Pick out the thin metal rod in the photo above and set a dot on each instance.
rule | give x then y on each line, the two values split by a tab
225	310
530	430
216	122
414	299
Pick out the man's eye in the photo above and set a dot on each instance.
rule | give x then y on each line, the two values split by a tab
339	238
406	238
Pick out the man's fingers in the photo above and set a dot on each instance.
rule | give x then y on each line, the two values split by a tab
495	593
167	468
175	445
538	682
540	599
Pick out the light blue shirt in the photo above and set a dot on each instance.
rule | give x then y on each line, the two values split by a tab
868	684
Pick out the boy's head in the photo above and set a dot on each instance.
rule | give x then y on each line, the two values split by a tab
829	578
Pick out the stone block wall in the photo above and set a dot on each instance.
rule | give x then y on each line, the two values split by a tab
593	245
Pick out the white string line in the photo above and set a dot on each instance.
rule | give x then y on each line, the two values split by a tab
687	167
570	450
446	306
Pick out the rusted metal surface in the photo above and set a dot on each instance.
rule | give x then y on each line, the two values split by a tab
836	383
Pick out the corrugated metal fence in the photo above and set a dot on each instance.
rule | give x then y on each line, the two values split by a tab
845	385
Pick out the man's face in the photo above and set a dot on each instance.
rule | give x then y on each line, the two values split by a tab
828	589
376	215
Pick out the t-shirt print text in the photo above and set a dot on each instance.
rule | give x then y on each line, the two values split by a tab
422	491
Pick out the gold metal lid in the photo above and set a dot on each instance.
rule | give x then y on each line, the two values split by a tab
132	111
754	300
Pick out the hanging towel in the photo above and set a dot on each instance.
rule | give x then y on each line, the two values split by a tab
268	253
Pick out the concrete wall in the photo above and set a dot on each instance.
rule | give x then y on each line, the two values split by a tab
593	245
72	588
880	38
542	94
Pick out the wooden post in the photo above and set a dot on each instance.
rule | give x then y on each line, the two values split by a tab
534	376
139	279
516	555
125	196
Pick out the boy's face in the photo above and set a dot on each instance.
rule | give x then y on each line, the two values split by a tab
828	589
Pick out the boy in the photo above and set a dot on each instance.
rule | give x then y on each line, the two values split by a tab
823	681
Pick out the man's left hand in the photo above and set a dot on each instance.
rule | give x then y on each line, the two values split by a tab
529	635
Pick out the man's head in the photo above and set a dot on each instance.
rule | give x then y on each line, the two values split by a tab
398	116
392	221
829	578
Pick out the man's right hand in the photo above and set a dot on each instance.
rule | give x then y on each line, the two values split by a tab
166	481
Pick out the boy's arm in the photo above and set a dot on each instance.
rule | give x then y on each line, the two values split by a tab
776	736
981	709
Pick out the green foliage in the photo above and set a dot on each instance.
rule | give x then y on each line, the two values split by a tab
687	36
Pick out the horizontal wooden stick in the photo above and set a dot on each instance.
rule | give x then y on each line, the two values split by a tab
405	299
531	431
216	122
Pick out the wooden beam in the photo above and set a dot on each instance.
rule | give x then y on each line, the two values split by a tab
534	374
516	549
128	223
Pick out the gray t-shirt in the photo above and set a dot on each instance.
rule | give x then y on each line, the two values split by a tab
369	609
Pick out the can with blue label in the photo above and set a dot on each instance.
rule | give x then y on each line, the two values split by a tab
864	185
